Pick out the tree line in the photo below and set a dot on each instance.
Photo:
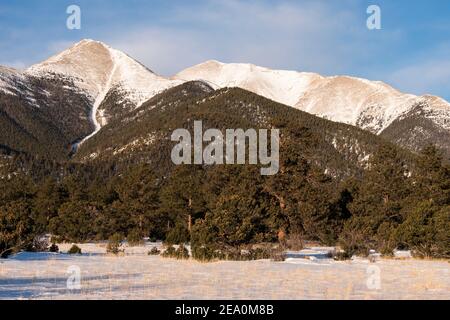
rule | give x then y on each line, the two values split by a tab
216	208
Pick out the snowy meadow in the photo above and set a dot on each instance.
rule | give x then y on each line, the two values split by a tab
137	275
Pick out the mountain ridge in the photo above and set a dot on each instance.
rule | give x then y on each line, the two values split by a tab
316	94
98	69
143	135
113	84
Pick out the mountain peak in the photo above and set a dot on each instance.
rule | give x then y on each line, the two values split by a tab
87	41
88	62
279	85
213	62
93	65
83	47
97	70
371	105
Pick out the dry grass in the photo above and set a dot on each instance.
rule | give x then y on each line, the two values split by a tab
136	275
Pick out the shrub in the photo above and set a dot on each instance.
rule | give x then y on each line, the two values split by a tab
230	253
278	255
16	226
135	238
341	256
425	231
354	240
53	248
261	253
154	252
178	235
204	253
182	253
74	250
170	252
209	253
114	244
40	244
295	242
248	255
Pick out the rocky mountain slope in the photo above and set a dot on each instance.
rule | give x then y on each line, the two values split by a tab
143	135
66	100
370	105
99	71
41	116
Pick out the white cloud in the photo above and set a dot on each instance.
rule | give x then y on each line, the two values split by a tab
321	36
420	78
165	51
426	73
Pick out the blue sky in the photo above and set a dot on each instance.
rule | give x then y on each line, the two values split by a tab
411	51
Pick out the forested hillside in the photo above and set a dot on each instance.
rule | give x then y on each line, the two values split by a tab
143	136
44	118
337	184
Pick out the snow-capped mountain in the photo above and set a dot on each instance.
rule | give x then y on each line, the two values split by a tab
85	87
9	80
371	105
17	83
98	70
40	116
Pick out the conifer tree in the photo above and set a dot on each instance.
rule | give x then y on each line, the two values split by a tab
377	204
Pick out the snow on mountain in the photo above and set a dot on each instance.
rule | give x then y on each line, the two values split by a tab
7	77
12	80
115	84
136	81
17	83
95	68
438	110
279	85
371	105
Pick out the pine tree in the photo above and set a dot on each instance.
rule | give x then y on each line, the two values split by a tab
138	194
16	227
182	198
427	220
49	197
431	177
377	204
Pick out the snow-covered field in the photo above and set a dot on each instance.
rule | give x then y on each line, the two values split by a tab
136	275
